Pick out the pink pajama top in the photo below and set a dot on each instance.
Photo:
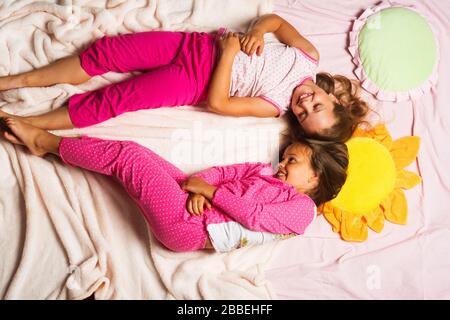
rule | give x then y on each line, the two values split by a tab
250	195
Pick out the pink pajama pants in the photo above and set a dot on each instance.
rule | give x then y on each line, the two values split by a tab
176	66
150	180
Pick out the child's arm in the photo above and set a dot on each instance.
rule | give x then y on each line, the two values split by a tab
291	216
284	32
219	100
221	174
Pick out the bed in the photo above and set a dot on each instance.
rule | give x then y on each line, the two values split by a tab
70	234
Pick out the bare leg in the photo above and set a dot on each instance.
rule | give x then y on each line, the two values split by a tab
38	141
54	120
65	70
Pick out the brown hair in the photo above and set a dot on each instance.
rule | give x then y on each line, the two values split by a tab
329	160
349	111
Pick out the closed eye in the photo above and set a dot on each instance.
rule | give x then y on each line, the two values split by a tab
317	107
302	116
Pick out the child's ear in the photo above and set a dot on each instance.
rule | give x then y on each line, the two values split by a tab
356	88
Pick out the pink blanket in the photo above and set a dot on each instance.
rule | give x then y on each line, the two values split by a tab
403	262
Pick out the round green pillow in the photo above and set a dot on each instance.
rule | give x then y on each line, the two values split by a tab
395	51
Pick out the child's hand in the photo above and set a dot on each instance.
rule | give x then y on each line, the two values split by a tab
197	185
196	204
230	43
253	41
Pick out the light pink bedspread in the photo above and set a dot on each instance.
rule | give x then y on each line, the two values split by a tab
403	262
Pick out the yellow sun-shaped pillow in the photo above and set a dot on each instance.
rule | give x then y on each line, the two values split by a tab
375	179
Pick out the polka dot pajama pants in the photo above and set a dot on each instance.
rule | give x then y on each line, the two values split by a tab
151	181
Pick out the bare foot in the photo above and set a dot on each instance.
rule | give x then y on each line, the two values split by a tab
3	114
7	132
25	134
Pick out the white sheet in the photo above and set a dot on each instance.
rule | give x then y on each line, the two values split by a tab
64	232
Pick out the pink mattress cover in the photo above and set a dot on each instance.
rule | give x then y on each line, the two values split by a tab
403	262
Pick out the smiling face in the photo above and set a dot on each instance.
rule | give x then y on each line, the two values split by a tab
313	107
295	168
